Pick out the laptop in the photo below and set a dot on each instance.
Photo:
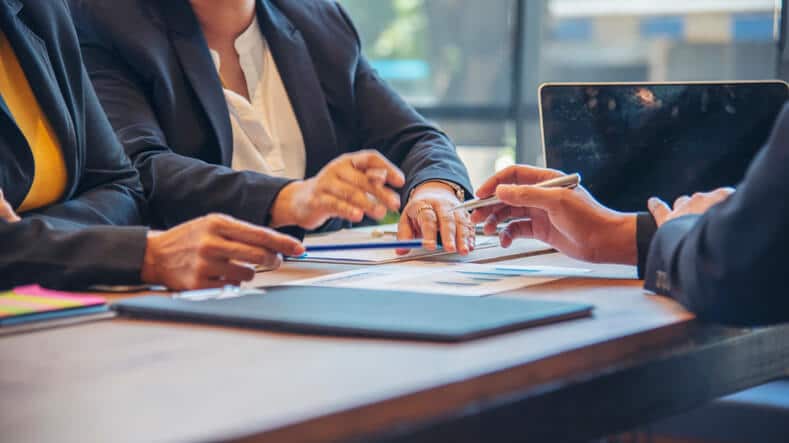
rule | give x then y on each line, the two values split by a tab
631	141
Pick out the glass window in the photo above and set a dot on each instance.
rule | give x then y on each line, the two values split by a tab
453	59
637	40
439	52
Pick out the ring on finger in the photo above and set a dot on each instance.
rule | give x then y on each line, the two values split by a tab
424	208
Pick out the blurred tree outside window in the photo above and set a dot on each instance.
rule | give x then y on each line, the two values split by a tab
446	53
439	52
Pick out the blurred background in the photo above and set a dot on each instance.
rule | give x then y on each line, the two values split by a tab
474	66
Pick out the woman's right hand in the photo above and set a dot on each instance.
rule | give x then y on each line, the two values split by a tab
213	251
349	187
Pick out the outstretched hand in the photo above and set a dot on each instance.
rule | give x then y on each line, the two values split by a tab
213	251
349	187
570	220
430	212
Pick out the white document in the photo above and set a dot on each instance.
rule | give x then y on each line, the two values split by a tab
469	280
384	233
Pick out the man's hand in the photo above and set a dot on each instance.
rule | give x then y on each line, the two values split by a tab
349	187
429	212
213	251
570	220
699	203
6	211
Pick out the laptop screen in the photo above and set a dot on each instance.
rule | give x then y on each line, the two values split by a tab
633	141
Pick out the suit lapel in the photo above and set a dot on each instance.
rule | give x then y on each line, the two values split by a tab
32	53
192	50
302	84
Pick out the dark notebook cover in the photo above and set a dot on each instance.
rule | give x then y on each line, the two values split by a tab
361	312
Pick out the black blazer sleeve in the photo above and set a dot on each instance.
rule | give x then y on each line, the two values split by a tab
729	265
178	188
35	252
64	245
387	123
78	241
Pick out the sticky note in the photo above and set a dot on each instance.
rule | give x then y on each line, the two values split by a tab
35	299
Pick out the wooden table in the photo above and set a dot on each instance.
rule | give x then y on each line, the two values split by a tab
639	358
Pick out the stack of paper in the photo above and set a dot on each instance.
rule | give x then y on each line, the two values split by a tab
469	280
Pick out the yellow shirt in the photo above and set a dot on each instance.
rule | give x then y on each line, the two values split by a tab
50	177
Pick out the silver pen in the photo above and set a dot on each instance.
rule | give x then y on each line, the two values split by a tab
566	181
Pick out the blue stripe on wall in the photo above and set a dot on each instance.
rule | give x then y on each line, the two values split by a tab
666	27
752	27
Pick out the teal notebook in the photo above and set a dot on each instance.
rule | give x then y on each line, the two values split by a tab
361	312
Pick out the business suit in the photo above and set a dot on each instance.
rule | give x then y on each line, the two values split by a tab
65	244
729	265
153	72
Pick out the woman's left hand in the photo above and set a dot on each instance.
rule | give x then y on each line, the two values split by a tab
430	212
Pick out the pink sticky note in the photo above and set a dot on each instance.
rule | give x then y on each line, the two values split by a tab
38	291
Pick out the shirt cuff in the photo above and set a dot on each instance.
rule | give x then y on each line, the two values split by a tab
646	226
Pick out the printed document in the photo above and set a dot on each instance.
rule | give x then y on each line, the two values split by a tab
470	280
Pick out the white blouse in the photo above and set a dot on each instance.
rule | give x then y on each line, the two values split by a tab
266	135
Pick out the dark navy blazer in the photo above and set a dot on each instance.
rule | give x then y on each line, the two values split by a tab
730	265
52	245
153	72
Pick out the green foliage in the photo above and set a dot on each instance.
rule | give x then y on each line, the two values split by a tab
390	29
390	219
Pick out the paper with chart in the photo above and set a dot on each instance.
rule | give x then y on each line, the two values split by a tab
470	280
384	233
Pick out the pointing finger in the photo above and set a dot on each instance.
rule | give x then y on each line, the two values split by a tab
517	174
531	196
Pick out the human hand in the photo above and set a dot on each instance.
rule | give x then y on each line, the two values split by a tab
428	212
349	187
213	251
570	220
699	203
6	211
